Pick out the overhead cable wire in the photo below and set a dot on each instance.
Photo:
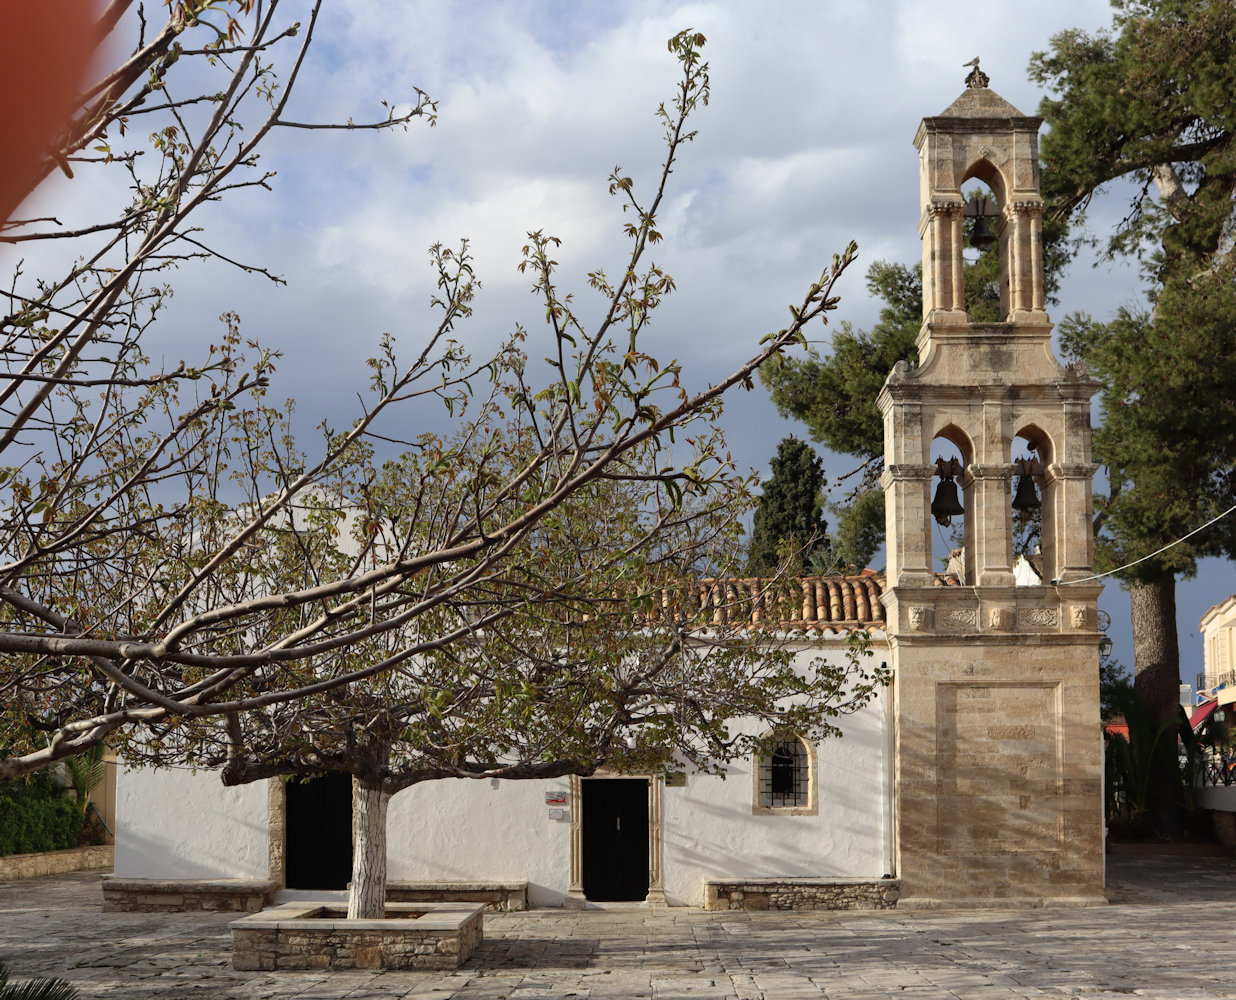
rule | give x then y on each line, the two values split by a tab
1098	576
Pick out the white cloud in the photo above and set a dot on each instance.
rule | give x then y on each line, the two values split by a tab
806	145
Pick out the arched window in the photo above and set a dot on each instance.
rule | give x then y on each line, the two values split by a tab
1034	526
952	496
785	778
983	272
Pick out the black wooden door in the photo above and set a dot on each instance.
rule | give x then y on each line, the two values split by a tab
615	838
319	832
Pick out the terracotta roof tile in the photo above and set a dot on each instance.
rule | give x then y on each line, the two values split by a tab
836	603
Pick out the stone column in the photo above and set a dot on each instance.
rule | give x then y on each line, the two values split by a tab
992	556
575	898
907	505
656	869
277	871
1071	514
1026	258
956	220
1005	233
943	283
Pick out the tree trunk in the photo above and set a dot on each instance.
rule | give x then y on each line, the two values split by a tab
367	899
1156	650
1156	665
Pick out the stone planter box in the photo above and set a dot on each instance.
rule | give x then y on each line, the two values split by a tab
319	936
801	894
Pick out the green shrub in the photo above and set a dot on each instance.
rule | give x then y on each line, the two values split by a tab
35	989
36	814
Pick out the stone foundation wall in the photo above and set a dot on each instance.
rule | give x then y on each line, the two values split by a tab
1224	824
143	895
15	867
801	894
298	936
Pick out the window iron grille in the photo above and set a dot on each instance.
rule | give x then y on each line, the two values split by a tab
784	775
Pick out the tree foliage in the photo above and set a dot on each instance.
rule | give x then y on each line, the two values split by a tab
592	649
834	394
168	549
547	619
1148	103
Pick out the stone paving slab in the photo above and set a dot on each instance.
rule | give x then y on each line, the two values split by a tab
1168	934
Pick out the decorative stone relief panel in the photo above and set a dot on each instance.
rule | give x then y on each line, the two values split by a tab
961	618
999	775
1079	614
1039	617
920	619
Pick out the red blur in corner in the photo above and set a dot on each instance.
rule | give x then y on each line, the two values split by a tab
45	51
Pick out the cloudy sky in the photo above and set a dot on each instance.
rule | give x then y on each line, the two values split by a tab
806	145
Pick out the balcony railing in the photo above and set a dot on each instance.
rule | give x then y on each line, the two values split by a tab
1218	767
1225	679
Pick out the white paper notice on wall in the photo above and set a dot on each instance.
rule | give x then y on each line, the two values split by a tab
557	814
555	798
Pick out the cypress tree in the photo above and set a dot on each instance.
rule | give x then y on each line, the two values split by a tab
790	517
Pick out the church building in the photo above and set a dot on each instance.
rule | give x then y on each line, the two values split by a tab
974	779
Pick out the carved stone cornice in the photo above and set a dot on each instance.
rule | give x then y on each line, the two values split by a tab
909	473
1080	470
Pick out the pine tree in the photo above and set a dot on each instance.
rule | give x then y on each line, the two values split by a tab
1150	102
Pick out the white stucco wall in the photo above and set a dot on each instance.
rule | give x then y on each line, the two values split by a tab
173	823
711	831
1221	799
469	829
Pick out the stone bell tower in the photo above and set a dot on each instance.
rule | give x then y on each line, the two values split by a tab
999	752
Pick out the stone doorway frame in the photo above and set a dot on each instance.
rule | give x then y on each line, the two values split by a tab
575	898
277	867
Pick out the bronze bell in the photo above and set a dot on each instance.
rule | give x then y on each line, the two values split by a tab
946	502
1026	497
981	237
979	209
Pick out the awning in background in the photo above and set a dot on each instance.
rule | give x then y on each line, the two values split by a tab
1202	713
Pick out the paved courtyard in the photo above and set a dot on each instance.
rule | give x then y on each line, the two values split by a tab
1169	933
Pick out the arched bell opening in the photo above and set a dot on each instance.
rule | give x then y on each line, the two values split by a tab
984	253
1033	551
952	495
